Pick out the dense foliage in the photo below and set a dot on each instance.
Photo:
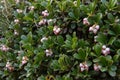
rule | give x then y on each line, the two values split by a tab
60	40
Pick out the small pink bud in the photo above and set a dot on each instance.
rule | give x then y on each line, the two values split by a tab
94	31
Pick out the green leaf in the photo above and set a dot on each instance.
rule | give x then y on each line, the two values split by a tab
112	73
110	17
117	29
55	65
41	78
112	3
112	39
103	69
78	3
102	38
76	56
80	55
116	57
118	51
113	68
38	59
97	48
60	40
71	14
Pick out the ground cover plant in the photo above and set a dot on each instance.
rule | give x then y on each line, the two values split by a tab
60	40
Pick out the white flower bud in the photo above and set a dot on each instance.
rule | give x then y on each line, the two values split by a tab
31	8
44	39
19	10
104	47
91	29
48	52
16	21
15	32
107	49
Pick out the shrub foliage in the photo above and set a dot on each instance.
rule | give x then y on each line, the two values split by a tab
60	40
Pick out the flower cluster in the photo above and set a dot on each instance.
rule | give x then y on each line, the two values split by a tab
83	66
97	67
45	13
19	10
4	48
105	50
42	22
9	66
31	8
86	22
24	60
48	52
56	30
94	28
16	21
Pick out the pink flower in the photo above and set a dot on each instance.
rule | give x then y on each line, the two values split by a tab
48	52
45	13
4	48
24	60
83	66
9	66
97	67
86	22
56	30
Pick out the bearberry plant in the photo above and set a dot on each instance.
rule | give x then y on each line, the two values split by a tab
60	40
